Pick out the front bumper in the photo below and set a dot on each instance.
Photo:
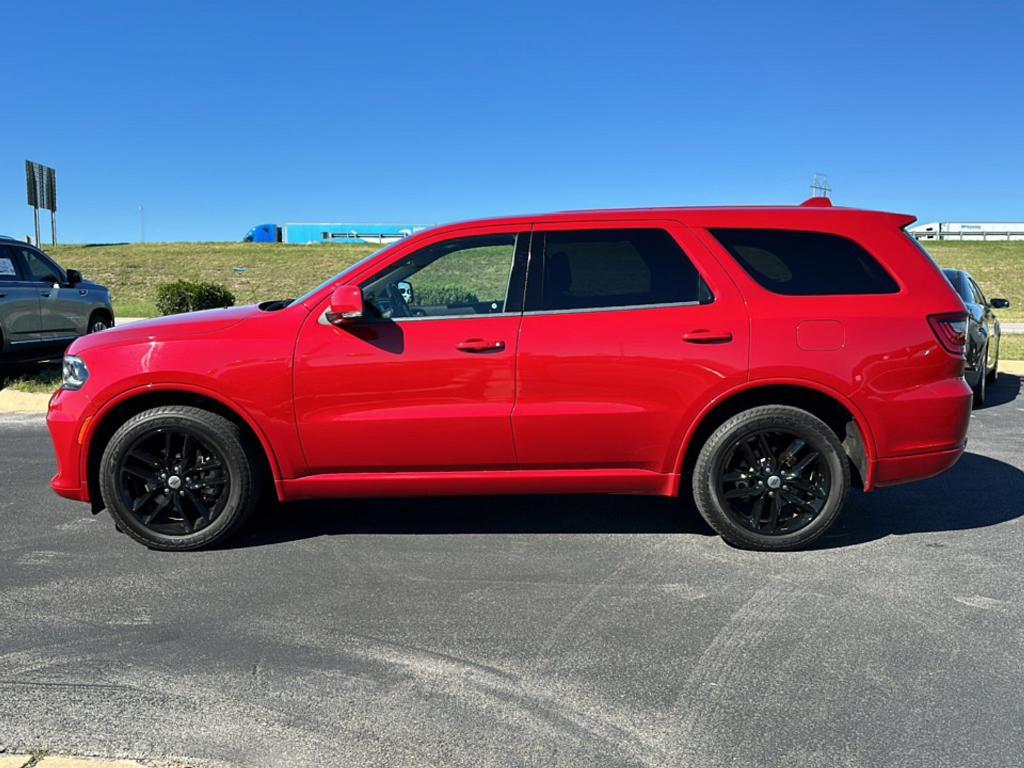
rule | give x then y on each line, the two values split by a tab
68	425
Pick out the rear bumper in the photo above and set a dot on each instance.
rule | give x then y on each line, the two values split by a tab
917	466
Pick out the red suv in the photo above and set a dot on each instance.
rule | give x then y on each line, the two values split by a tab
765	357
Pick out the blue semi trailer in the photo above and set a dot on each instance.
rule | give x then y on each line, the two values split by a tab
304	233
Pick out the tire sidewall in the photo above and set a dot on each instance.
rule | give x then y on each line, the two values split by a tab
228	446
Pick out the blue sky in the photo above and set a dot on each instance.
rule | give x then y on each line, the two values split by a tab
220	115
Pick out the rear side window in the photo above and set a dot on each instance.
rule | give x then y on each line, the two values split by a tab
796	263
601	268
8	269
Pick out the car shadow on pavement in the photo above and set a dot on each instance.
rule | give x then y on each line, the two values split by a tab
1005	390
977	492
473	515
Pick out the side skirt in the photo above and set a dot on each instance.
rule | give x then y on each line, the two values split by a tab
577	481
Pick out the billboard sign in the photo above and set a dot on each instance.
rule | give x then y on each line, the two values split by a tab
41	181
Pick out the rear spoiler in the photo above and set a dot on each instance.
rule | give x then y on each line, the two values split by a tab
901	220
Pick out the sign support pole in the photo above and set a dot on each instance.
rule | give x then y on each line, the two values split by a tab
53	227
36	211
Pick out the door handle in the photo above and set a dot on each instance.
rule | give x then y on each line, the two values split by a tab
707	336
3	295
480	345
44	295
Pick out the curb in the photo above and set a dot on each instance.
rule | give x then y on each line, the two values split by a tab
1016	367
34	761
13	401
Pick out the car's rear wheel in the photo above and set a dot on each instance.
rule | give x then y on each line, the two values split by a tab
993	375
773	477
99	321
179	478
981	388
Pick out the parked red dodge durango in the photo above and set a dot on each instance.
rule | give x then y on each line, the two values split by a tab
767	358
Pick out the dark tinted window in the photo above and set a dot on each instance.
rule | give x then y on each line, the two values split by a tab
586	269
805	263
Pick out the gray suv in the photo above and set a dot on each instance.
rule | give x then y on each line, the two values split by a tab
44	307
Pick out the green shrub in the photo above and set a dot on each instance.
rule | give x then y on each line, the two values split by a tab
444	295
189	296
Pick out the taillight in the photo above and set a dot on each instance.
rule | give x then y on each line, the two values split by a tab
951	331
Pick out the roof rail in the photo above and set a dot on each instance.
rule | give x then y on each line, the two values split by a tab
817	202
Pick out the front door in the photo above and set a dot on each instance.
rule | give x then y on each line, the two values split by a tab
426	380
19	302
60	311
626	336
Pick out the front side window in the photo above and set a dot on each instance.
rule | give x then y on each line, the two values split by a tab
466	276
799	263
605	268
38	269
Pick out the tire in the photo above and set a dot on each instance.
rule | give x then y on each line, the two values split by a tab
993	375
801	481
981	388
99	321
179	478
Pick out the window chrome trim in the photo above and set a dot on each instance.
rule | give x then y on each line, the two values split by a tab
620	308
365	321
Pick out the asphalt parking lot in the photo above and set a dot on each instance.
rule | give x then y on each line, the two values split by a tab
525	631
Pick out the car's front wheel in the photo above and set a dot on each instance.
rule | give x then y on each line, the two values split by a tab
773	477
178	478
99	321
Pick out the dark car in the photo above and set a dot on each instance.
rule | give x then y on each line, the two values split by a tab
983	333
44	307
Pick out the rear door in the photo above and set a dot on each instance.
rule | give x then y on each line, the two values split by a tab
630	329
19	301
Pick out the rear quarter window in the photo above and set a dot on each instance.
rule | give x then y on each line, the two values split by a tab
798	263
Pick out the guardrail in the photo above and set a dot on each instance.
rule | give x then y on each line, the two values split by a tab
968	235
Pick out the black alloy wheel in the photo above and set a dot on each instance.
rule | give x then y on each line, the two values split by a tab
173	483
773	482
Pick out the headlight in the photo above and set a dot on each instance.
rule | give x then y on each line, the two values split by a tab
75	373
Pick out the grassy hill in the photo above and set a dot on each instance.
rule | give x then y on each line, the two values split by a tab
275	271
272	270
997	266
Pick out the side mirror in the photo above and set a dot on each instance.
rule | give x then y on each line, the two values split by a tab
74	277
346	305
999	303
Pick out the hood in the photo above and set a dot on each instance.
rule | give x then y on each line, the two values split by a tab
184	326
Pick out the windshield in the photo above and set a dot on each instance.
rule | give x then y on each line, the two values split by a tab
343	272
